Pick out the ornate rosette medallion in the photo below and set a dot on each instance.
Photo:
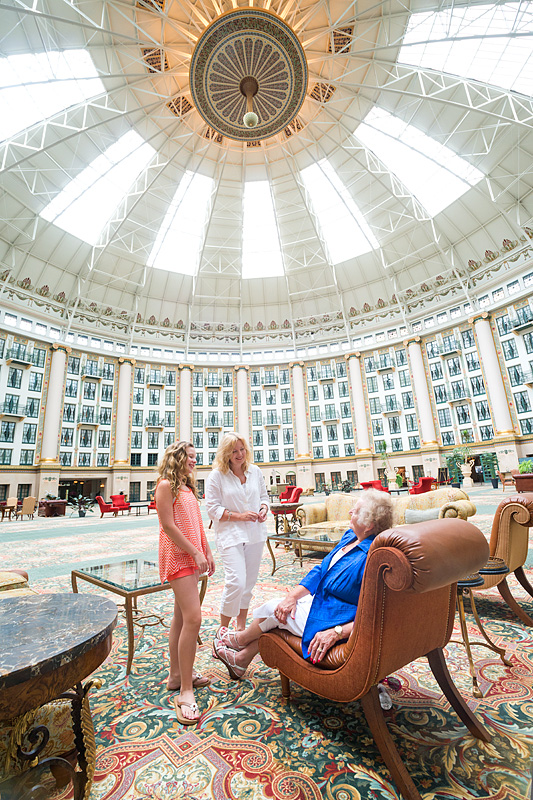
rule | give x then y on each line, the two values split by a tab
248	43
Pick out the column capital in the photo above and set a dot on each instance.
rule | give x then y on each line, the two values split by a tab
186	366
127	360
356	355
245	367
412	340
297	364
478	316
59	346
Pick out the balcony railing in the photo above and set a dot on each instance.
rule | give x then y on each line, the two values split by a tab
155	379
458	395
92	372
270	379
451	346
385	363
87	419
522	320
11	408
391	408
153	421
213	421
330	416
272	420
18	355
326	375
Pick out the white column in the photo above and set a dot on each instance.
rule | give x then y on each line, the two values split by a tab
358	400
493	377
242	426
54	405
122	435
300	411
421	391
185	402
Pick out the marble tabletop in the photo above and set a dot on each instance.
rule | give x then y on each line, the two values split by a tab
40	633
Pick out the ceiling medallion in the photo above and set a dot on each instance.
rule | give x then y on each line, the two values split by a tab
248	57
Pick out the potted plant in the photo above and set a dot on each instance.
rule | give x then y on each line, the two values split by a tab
346	486
524	479
82	504
399	480
462	457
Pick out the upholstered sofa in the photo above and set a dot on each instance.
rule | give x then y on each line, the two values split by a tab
328	520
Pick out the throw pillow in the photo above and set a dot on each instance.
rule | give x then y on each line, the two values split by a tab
413	515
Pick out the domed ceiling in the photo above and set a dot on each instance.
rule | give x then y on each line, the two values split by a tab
389	174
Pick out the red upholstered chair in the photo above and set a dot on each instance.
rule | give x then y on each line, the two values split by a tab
423	485
105	508
295	494
283	497
119	501
374	485
406	610
151	505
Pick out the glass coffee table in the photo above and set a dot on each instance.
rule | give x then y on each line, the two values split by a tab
130	579
298	544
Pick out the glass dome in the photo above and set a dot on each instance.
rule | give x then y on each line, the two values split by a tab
401	186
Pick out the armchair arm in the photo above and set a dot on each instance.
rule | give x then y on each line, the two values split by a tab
309	514
461	509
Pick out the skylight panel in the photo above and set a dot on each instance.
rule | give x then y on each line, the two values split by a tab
179	240
35	86
86	204
344	228
261	254
489	43
432	172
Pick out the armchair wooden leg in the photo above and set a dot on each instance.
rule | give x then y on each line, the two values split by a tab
440	671
521	577
385	743
505	592
285	686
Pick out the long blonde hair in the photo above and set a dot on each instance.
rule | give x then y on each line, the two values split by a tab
225	450
172	468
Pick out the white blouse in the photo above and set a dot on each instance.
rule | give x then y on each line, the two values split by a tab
227	492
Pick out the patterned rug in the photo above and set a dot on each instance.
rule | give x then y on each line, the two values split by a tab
250	744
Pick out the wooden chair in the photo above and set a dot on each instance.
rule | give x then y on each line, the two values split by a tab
509	541
28	507
406	610
506	479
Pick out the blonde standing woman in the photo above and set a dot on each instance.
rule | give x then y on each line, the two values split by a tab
237	503
184	555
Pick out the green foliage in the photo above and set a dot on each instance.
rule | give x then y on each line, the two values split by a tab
81	503
399	481
525	466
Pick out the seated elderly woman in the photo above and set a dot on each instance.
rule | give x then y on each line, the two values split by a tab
321	609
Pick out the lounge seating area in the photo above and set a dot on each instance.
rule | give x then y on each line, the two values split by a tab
328	520
296	740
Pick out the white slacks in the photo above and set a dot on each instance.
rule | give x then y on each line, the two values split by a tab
294	624
241	567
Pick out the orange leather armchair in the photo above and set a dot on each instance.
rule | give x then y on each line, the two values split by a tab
406	610
509	541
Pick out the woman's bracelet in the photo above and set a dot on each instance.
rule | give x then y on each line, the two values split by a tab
229	515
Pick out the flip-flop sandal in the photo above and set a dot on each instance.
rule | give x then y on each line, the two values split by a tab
185	720
198	682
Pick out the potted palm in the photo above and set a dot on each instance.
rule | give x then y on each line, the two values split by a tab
524	479
82	504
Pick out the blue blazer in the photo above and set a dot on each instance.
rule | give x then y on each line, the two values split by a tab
336	590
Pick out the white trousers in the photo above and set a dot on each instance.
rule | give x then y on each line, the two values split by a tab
241	567
294	624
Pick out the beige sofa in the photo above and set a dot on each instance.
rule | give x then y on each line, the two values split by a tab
327	521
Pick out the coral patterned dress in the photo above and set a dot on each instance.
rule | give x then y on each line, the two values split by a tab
173	562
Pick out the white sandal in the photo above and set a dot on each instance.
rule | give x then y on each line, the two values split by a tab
227	656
